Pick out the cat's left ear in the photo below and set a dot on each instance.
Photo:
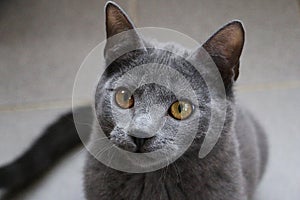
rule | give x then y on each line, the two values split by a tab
225	48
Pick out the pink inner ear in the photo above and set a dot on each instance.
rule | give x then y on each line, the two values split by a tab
227	42
116	20
225	48
234	40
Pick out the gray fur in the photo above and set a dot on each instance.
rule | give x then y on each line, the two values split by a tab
231	171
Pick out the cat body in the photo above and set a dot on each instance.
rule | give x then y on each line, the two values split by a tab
230	171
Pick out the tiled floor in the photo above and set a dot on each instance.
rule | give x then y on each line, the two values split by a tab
42	44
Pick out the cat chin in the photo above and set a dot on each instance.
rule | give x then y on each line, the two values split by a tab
136	150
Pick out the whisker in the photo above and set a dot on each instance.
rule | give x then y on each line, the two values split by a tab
84	123
103	150
98	139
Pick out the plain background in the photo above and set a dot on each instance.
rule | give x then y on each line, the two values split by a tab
42	44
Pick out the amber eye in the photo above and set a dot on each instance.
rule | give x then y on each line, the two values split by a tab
123	98
181	109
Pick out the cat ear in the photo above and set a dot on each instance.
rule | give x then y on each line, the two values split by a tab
225	48
118	22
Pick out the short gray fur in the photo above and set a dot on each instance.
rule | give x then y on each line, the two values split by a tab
231	171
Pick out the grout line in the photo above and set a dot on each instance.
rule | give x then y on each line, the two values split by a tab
269	86
41	106
68	103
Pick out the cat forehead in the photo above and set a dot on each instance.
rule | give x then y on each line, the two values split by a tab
164	64
161	53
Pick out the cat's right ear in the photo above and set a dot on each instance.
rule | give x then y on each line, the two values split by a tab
119	25
116	20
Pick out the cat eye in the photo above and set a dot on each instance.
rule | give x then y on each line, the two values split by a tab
123	98
181	110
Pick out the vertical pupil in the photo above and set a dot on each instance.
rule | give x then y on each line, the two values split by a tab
179	108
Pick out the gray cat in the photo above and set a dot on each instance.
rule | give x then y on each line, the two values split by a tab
231	171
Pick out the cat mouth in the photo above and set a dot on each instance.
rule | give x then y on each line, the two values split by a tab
137	145
144	145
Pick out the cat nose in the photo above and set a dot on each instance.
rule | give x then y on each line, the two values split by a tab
139	137
139	134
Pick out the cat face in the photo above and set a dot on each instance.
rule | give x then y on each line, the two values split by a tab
142	102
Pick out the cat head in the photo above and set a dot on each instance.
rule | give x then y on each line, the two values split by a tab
142	98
